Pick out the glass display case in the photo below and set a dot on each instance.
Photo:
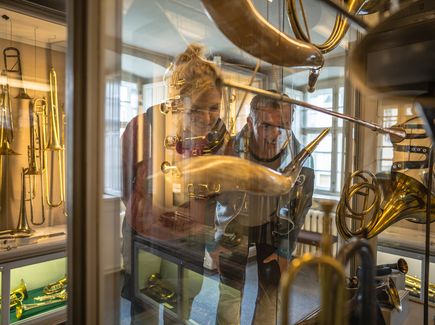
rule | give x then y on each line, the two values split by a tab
193	151
33	184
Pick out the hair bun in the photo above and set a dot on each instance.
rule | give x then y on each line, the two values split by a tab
192	51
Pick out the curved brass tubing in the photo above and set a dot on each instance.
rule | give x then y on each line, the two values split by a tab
332	308
247	29
365	296
407	201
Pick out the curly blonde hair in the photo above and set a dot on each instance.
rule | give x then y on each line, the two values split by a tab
192	74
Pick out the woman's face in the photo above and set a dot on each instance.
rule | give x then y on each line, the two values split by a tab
201	112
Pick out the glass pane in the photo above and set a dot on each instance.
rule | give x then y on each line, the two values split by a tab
33	185
190	246
45	281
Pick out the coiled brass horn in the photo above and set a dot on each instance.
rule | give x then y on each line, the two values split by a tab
21	308
407	201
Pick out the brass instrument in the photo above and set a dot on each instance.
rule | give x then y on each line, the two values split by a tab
332	280
401	265
35	154
21	308
6	123
413	285
53	144
157	290
364	298
23	229
12	61
17	295
57	295
56	287
219	173
247	29
407	201
396	134
338	32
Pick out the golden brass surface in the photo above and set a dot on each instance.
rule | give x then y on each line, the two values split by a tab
227	173
337	34
17	295
35	156
246	28
332	280
413	284
56	287
53	144
407	201
21	308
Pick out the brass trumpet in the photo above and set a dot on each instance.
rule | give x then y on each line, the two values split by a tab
332	280
56	287
21	308
17	295
407	201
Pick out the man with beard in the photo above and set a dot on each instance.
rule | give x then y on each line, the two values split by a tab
270	223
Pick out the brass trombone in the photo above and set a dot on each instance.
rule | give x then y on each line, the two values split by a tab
23	229
12	60
35	155
53	144
6	123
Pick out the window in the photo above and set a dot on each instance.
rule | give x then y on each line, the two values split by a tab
389	114
328	157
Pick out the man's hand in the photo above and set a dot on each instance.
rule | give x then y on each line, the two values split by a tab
282	262
216	253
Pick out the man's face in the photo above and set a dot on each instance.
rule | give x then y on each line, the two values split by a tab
202	112
270	130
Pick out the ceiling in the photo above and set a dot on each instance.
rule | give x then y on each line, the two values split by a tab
32	31
168	26
163	28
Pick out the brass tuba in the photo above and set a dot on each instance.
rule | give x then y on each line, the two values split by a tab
407	201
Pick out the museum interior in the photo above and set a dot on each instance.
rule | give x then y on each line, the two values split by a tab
217	162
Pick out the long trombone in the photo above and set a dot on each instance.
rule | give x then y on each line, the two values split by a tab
53	144
23	229
35	154
12	60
